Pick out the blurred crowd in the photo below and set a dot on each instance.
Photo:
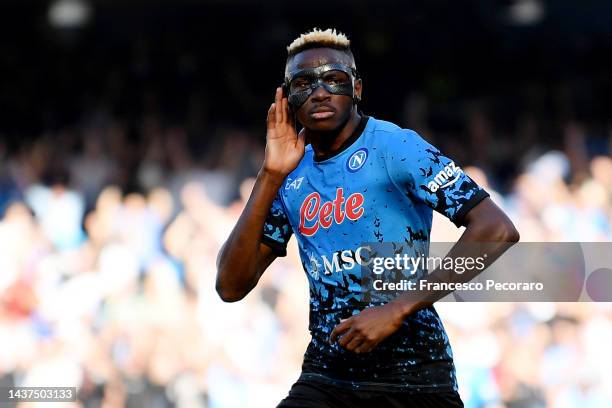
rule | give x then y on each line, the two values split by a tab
128	148
108	251
108	241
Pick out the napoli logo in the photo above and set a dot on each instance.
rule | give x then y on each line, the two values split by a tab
357	160
314	266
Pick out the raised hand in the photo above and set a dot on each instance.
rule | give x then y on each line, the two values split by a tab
284	147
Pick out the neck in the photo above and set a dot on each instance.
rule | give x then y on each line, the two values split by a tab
327	143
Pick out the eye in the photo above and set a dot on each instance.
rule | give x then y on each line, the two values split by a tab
335	78
300	85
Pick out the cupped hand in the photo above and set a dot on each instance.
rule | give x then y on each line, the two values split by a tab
284	147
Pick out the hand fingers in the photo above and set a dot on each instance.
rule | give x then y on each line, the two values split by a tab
363	348
278	105
347	337
285	110
271	117
354	343
339	329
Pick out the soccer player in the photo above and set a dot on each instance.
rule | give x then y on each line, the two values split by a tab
344	180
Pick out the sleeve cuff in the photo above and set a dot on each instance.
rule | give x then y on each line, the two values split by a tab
277	248
467	206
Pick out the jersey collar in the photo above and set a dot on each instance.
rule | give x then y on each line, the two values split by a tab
348	142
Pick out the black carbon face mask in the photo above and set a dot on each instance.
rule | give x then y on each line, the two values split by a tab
337	79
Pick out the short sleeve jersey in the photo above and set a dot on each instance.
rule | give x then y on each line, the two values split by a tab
380	186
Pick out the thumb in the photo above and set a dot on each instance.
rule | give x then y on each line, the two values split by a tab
302	138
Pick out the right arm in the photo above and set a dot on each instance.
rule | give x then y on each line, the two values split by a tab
243	258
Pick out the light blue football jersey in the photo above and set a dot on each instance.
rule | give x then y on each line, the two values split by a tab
380	186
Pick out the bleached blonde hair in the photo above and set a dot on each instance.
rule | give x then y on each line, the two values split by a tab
317	38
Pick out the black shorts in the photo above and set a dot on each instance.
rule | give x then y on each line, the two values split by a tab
310	394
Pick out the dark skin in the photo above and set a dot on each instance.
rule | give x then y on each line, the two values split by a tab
485	223
326	135
243	258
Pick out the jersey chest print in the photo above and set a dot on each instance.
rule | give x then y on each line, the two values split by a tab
381	188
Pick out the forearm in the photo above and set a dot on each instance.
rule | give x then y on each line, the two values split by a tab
485	241
239	265
237	262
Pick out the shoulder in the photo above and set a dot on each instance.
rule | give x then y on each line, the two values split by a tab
382	127
393	137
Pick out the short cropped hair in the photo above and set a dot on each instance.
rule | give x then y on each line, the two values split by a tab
317	38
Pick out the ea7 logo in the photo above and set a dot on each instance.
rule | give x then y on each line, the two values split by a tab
444	178
295	184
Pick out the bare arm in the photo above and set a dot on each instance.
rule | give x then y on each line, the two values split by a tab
485	223
488	230
243	258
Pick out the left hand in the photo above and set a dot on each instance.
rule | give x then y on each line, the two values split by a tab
362	332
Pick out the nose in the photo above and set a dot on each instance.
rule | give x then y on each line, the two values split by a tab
320	93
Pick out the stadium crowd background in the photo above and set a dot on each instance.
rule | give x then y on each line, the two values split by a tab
128	146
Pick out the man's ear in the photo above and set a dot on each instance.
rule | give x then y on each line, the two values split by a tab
358	89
